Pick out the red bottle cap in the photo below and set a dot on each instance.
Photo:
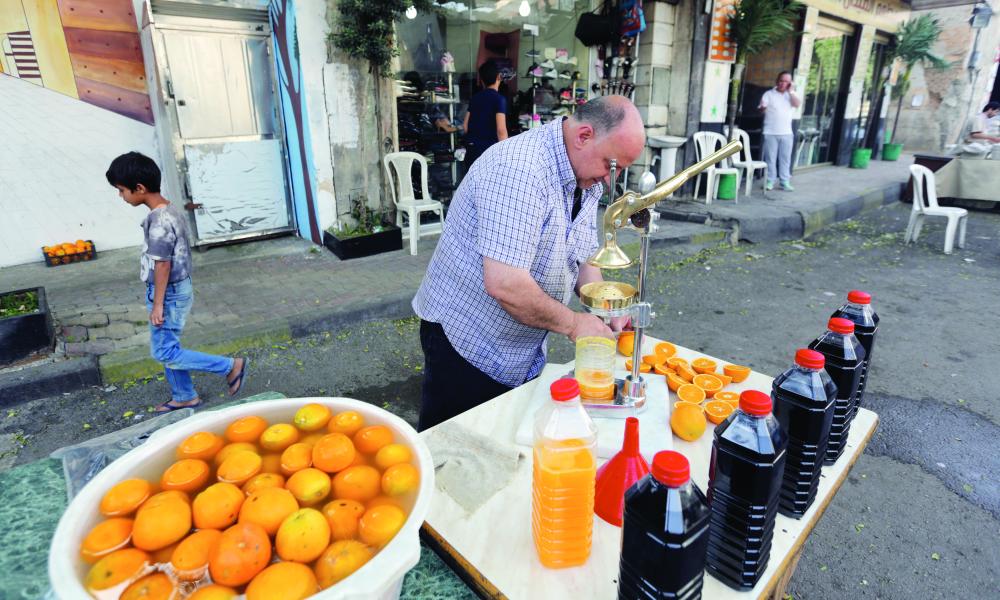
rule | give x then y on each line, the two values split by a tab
564	389
839	325
859	297
809	359
755	403
671	468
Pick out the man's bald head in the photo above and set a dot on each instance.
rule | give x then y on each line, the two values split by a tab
605	128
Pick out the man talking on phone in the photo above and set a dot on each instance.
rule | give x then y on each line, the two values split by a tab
778	105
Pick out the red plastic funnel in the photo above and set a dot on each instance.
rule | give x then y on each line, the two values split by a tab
618	474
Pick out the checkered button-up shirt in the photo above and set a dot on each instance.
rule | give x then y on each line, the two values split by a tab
514	207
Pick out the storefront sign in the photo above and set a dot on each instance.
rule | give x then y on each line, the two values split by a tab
886	15
720	45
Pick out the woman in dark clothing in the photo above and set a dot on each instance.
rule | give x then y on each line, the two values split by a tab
485	121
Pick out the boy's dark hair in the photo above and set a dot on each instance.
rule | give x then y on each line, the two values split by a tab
994	105
488	72
133	168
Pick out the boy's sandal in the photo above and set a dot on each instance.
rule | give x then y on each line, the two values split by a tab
238	380
170	406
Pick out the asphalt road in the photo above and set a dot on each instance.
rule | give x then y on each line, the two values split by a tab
919	516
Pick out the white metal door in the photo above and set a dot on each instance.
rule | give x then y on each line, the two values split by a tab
220	83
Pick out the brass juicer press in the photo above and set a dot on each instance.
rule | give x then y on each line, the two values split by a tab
609	299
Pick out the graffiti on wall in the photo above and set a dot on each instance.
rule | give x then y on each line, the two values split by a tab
86	49
293	109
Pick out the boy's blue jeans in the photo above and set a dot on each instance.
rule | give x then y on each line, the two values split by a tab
165	342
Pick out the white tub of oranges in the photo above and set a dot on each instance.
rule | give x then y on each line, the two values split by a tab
272	500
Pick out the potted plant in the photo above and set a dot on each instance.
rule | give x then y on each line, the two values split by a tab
373	233
25	324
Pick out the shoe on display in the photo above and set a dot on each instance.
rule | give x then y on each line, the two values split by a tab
565	75
532	53
571	60
787	186
768	186
549	53
548	65
534	70
561	54
553	74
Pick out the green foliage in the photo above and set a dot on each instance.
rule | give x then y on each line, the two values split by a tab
368	220
756	25
23	303
365	29
914	41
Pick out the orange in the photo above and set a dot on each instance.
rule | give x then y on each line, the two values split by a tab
340	560
708	382
190	557
665	350
214	592
203	445
303	536
309	486
676	361
161	522
393	454
717	410
312	417
626	343
218	506
725	379
380	523
674	382
124	498
650	359
313	437
239	467
261	481
687	422
116	568
163	554
370	440
703	365
400	479
187	474
685	372
738	372
167	495
730	397
270	462
361	483
680	403
333	453
278	437
691	393
283	581
231	449
106	537
382	501
243	551
348	423
362	459
662	369
246	429
155	586
268	508
643	367
343	517
296	457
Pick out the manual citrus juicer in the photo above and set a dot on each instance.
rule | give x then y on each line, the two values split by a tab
610	299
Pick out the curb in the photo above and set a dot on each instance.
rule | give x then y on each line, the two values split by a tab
50	379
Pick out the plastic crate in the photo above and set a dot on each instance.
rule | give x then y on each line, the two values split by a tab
55	261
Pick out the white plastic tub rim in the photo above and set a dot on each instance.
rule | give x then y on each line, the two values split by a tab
380	578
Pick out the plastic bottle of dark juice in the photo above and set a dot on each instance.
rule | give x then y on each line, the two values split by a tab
803	398
859	310
844	359
748	458
664	533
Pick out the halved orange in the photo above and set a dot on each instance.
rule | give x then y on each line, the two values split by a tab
643	368
691	393
662	369
717	410
707	382
665	350
703	365
650	359
676	361
738	372
725	379
674	382
730	397
686	373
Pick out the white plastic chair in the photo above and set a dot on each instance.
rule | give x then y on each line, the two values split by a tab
745	162
705	143
925	205
403	196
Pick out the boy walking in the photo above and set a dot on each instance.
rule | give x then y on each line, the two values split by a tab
165	268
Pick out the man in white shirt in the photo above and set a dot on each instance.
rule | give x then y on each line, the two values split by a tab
982	128
778	105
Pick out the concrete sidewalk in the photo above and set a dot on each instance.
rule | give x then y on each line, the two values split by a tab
268	291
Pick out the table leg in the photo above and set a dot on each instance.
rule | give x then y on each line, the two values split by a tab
779	589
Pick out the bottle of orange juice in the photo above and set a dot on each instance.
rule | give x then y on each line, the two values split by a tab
565	467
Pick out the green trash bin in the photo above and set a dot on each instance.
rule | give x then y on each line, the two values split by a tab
891	151
727	187
860	158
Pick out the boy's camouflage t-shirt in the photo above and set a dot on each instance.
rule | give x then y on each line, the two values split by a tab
165	238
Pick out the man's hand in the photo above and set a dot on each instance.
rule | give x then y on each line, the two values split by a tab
588	325
156	315
619	324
